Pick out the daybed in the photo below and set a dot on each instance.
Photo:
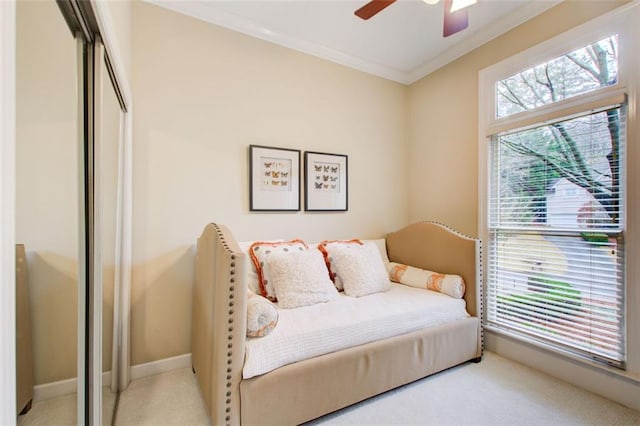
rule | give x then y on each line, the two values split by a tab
309	388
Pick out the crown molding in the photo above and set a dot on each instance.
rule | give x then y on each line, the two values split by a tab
253	29
209	13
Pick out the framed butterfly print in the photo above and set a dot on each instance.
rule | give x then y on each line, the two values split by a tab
326	182
274	179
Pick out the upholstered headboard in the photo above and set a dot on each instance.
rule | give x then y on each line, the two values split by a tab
438	248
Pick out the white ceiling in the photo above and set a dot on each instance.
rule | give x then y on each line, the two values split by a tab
402	43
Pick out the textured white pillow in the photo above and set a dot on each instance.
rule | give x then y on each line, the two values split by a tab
300	278
262	316
361	269
326	247
260	251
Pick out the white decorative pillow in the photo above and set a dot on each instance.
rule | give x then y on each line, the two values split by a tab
300	278
361	269
327	248
452	285
260	251
262	315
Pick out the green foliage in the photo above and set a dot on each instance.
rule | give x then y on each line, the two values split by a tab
557	297
595	238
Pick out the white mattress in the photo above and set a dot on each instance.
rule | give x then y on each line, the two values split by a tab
319	329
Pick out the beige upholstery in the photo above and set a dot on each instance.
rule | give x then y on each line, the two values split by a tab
219	322
433	246
308	389
436	247
24	355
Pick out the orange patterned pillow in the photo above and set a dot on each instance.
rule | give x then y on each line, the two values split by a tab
452	285
326	247
259	251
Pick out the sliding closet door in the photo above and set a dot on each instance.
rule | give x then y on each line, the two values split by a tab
69	192
49	209
105	114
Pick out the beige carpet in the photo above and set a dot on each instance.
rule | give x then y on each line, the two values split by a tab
62	411
166	399
493	392
59	411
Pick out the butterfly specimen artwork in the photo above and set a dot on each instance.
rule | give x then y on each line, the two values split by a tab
276	172
323	171
325	181
274	175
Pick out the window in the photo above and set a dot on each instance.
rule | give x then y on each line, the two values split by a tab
554	202
581	71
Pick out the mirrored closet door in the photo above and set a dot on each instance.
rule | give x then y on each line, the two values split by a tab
69	185
49	210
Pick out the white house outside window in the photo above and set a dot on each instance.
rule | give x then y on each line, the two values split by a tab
554	200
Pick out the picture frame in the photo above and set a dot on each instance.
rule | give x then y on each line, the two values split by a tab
274	179
326	182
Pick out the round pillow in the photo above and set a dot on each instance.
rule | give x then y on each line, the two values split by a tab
262	316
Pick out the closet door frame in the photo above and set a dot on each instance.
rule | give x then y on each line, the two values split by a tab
7	214
117	74
106	64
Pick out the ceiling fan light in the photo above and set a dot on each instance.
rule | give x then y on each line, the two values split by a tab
431	1
461	4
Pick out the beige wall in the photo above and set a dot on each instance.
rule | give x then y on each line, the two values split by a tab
443	119
47	183
202	95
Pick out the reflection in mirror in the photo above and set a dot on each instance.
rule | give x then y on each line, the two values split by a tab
48	156
110	142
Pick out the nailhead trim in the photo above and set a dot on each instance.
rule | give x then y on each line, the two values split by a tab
230	302
450	229
481	295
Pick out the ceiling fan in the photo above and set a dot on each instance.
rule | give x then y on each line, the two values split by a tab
456	16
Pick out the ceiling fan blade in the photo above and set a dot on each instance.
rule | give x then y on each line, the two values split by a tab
454	21
372	8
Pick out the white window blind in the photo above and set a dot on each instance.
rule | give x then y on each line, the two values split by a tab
555	271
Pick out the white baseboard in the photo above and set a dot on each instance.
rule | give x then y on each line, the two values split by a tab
160	366
69	386
54	389
61	388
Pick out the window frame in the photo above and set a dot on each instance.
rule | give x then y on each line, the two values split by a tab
619	21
